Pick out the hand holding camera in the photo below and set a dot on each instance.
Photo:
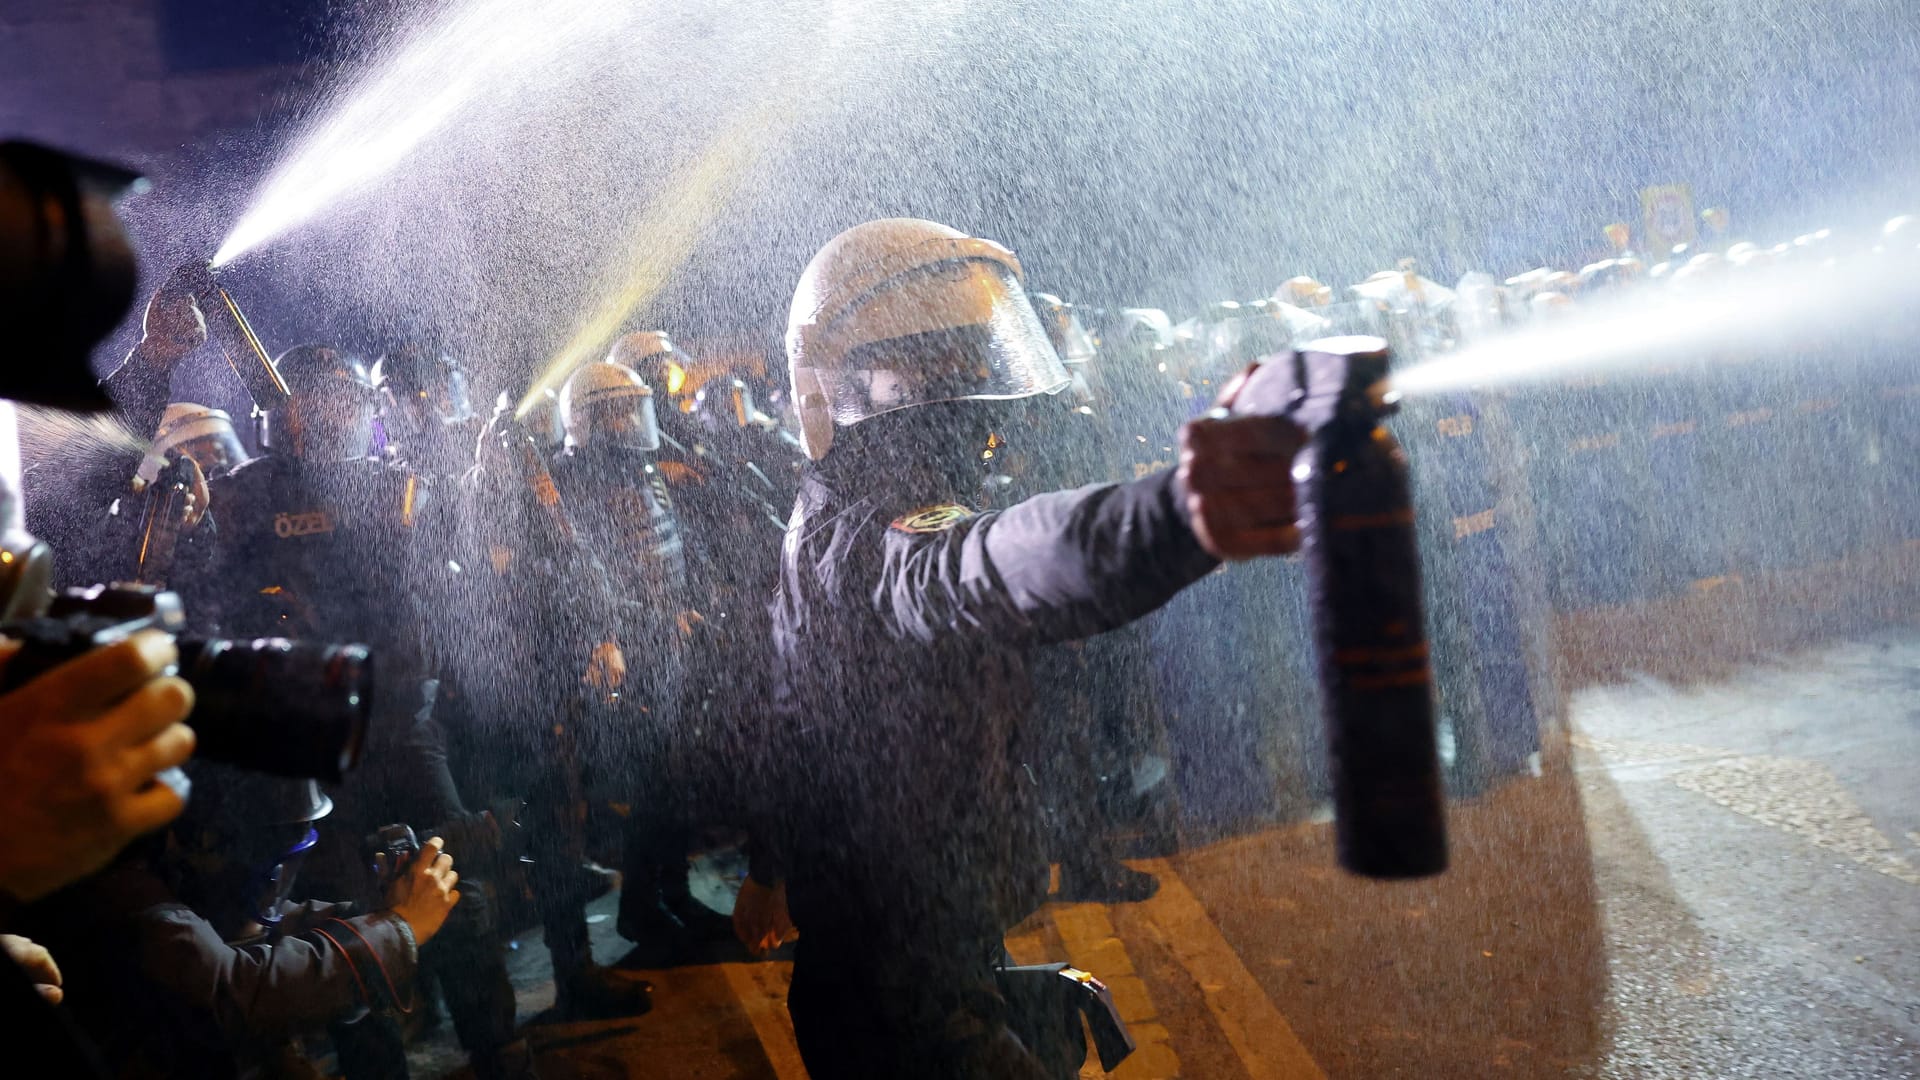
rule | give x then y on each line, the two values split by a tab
421	889
112	721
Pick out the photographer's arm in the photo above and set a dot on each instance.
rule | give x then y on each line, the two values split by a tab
299	981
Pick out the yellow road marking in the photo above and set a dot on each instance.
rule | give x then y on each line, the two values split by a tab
762	990
1262	1038
1801	798
1093	946
1027	949
1259	1035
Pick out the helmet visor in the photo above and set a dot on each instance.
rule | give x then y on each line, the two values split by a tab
957	331
624	420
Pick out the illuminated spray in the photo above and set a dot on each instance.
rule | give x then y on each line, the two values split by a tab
1744	309
466	78
76	440
472	58
513	88
811	60
663	236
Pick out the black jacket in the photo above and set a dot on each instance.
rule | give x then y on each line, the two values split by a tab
352	550
901	634
164	994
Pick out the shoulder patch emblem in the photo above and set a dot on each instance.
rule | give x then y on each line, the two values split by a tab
932	519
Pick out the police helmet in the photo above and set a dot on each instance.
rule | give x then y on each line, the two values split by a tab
609	404
902	312
204	434
430	376
658	360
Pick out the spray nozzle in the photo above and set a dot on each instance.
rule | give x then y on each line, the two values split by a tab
1322	381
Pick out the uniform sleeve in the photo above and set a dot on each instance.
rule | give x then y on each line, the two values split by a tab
1056	567
300	981
139	394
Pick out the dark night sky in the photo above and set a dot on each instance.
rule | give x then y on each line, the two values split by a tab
1173	157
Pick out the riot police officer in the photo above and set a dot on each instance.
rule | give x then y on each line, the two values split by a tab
537	590
757	453
902	623
80	504
428	414
714	448
628	518
724	467
204	434
660	363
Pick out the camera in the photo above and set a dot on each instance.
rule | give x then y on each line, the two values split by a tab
397	843
288	708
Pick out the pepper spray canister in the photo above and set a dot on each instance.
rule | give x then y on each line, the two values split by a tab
1363	574
229	331
164	520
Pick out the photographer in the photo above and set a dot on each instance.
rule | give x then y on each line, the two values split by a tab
188	959
85	742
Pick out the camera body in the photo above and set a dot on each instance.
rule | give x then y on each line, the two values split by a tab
81	620
398	844
271	705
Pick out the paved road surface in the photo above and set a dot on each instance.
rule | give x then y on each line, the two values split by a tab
1715	880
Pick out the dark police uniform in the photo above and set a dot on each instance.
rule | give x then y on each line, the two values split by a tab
725	479
619	500
341	551
909	837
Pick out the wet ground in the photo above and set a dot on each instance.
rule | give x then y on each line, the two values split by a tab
1719	879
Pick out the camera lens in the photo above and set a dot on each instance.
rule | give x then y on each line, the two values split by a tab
296	709
68	268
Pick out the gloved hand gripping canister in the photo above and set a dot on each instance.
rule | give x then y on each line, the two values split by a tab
1363	567
228	330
